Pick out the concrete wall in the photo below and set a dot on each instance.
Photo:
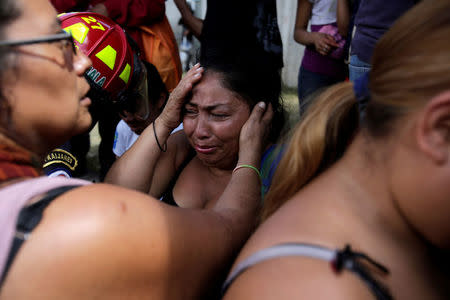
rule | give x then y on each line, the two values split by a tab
292	52
174	16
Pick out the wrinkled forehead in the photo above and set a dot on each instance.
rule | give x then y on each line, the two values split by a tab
37	17
209	78
212	91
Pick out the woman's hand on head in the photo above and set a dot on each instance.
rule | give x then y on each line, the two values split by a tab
323	42
172	114
254	132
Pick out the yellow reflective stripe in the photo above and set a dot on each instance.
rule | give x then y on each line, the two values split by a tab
78	31
108	56
60	15
125	75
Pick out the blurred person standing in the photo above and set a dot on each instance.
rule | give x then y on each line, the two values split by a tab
359	204
323	60
373	18
231	25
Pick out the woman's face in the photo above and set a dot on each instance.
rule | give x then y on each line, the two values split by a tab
46	91
213	120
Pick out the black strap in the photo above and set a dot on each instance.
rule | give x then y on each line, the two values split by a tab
167	196
355	262
29	217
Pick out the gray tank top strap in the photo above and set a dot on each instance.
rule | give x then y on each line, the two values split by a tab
282	250
339	260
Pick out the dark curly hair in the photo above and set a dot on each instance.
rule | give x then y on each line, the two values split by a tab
252	76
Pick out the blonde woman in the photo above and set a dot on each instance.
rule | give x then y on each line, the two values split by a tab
359	205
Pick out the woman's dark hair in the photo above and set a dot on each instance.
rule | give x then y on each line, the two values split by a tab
249	74
9	12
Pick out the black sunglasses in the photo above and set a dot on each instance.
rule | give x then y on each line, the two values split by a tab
63	36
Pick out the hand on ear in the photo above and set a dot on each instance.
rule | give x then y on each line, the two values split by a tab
433	128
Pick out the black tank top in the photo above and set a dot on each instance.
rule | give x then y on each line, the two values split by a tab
167	196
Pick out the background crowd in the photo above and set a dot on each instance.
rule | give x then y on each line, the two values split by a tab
201	170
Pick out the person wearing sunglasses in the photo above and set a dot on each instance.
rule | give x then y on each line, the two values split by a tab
66	238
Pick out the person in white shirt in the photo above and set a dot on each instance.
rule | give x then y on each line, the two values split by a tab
131	106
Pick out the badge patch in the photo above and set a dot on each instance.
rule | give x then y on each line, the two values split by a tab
60	156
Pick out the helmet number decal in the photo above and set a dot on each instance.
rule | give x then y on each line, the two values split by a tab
90	20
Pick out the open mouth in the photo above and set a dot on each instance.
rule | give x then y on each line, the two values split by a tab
204	149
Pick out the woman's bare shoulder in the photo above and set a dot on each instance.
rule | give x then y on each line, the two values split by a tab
303	218
294	277
102	203
89	239
112	242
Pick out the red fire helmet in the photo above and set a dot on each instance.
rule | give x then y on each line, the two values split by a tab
105	43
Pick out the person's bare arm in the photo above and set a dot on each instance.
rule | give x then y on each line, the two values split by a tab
301	34
107	242
135	169
343	17
168	163
322	42
194	24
